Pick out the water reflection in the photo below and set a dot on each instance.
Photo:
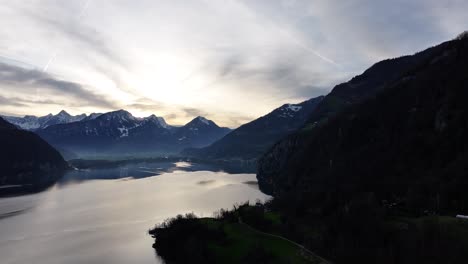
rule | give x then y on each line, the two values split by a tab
106	220
135	171
138	170
122	169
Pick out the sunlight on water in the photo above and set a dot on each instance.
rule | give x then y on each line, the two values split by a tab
106	221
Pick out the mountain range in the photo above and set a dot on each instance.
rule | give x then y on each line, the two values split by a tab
250	141
120	134
32	123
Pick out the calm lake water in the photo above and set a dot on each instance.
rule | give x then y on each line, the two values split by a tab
102	216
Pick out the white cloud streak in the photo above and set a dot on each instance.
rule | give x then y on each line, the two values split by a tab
233	59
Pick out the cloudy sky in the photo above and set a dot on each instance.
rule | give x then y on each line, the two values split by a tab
228	60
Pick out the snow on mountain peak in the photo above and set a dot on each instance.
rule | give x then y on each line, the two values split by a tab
289	110
294	108
31	122
162	122
26	122
159	120
91	116
119	114
63	113
124	119
61	118
203	120
462	35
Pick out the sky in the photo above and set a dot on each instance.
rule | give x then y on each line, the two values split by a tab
228	60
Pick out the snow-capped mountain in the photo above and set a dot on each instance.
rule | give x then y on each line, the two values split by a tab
200	132
30	122
27	122
91	116
120	133
62	118
251	140
116	124
157	120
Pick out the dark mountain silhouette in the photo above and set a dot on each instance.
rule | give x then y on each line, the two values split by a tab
25	158
379	176
251	140
363	87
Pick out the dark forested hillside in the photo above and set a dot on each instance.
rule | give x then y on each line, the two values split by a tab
423	65
372	81
25	158
379	178
251	140
355	91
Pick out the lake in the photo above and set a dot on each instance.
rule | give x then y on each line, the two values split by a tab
103	215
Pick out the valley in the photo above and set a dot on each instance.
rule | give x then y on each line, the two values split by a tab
253	132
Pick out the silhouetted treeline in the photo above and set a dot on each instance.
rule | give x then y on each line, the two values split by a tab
188	239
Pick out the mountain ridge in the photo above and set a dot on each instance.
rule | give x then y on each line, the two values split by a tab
250	140
32	123
421	119
120	133
360	88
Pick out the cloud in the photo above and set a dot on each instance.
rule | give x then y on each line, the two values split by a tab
88	37
231	61
193	112
180	115
43	84
172	116
64	21
10	102
24	102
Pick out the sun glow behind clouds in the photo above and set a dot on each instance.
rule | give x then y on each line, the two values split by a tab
164	77
231	61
